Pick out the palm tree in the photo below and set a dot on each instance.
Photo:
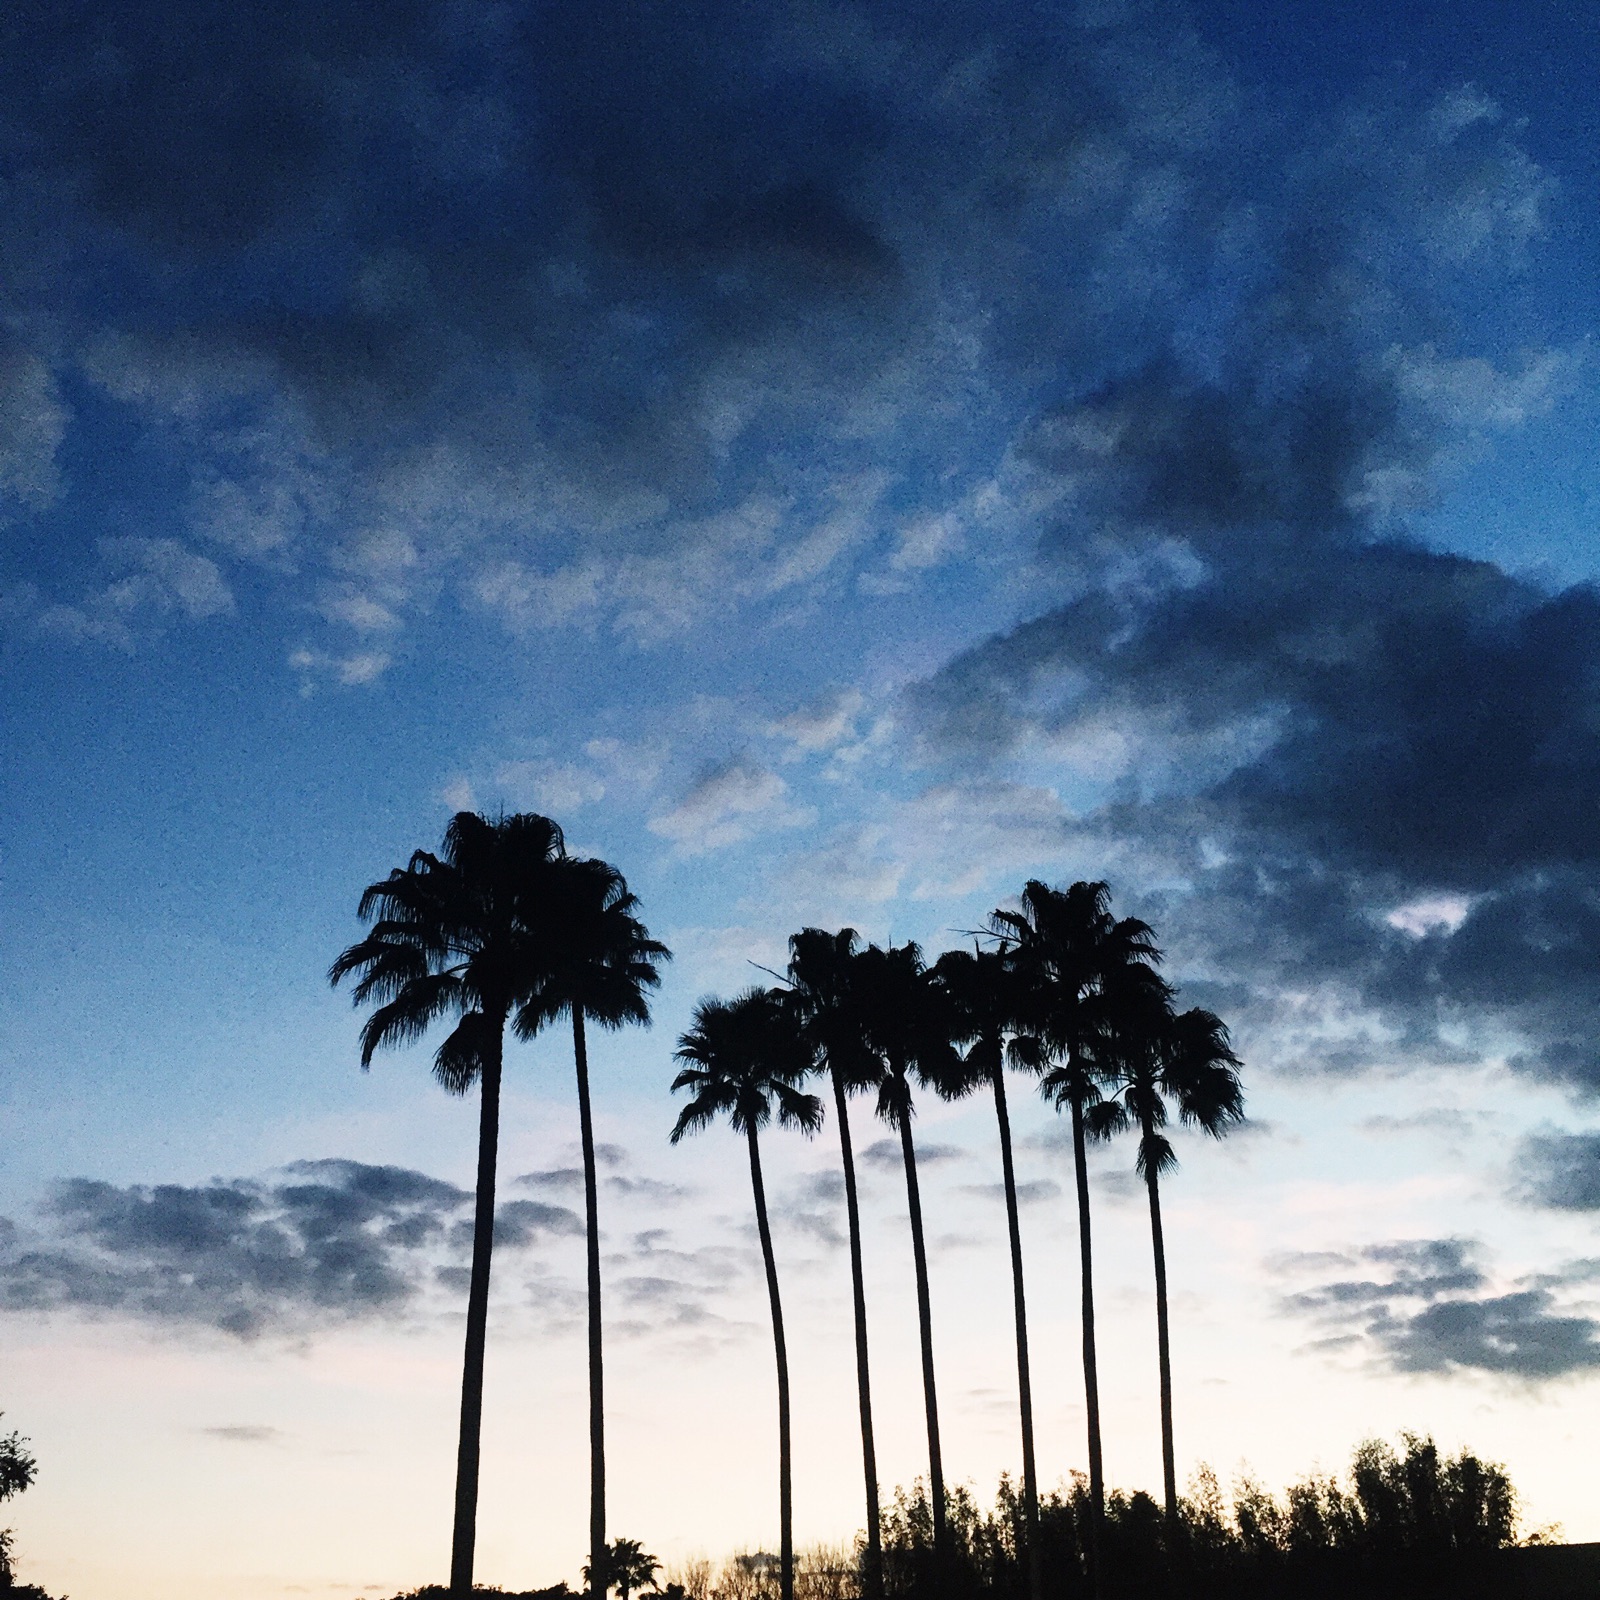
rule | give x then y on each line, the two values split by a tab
746	1058
465	933
906	1028
820	966
1063	945
981	989
603	962
1159	1056
628	1566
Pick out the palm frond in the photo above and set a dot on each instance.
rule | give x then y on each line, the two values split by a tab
797	1109
1104	1119
1155	1153
407	1017
458	1062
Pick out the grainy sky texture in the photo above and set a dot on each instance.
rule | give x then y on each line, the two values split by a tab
840	461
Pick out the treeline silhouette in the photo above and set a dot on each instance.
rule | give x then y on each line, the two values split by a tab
1406	1523
1401	1524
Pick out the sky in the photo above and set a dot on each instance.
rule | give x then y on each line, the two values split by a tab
841	461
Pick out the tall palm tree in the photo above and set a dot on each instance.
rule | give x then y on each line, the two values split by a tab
906	1028
746	1058
1064	945
465	933
981	988
820	965
602	963
1160	1057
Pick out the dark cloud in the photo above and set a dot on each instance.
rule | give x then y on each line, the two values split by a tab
1028	1193
566	1180
1560	1170
1374	766
887	1155
527	284
652	1190
322	1241
1422	1306
814	1205
1445	1121
519	1223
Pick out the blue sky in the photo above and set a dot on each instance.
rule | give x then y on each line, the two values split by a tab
840	462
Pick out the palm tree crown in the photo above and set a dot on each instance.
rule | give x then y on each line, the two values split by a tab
602	957
466	932
745	1059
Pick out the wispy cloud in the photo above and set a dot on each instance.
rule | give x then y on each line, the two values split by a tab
729	805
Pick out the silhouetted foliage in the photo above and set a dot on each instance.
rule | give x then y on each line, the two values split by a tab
17	1471
438	1591
627	1567
1404	1523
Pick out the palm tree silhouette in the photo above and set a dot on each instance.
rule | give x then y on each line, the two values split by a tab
602	963
906	1027
627	1566
820	966
1064	945
1159	1056
746	1058
982	991
465	933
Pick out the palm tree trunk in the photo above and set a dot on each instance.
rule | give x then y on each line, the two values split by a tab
597	1404
464	1538
1169	1471
1091	1371
1030	1480
873	1575
930	1398
785	1509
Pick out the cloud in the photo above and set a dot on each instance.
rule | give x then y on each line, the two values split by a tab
1406	826
244	1433
356	670
624	323
143	582
822	726
566	1180
653	1191
1031	1192
728	805
552	787
519	1223
1561	1170
1445	1121
33	422
1427	1309
886	1154
319	1243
